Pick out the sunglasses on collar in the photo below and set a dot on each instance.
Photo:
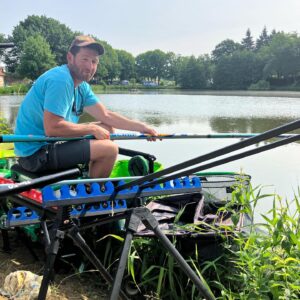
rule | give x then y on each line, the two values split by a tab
78	111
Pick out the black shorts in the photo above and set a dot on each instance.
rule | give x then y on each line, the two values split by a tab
57	156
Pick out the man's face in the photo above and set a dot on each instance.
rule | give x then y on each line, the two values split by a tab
83	65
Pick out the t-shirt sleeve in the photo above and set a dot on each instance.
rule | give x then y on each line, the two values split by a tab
89	97
58	97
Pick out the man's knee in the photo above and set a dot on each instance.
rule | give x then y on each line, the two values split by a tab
114	149
101	149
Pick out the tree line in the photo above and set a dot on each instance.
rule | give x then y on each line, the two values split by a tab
272	61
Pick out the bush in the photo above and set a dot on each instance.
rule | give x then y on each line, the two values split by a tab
4	126
20	88
261	85
263	264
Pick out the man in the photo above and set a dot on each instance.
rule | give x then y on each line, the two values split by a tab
52	107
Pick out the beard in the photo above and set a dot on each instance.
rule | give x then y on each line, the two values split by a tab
79	74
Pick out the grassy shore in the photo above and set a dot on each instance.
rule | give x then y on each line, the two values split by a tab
20	89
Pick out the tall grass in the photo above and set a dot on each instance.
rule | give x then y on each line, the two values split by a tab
260	262
265	264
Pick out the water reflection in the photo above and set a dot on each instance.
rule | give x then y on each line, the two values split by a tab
194	112
154	118
220	124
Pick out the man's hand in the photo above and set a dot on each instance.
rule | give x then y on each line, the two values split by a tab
99	132
150	131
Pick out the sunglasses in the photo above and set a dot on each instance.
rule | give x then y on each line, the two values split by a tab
77	111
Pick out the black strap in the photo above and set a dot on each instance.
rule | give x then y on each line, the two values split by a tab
131	153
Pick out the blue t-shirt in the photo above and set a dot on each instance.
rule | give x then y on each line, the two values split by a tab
53	91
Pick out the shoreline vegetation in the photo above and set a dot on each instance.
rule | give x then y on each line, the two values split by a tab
21	89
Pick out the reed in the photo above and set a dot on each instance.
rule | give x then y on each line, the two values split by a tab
265	264
260	262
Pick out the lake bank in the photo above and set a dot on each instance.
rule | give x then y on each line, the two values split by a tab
286	94
174	91
98	89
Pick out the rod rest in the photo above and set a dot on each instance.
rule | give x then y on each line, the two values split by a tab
21	215
66	195
98	201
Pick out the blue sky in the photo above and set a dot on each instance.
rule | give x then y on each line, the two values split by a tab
187	27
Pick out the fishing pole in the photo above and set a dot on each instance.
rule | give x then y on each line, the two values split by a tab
15	138
214	154
133	136
222	161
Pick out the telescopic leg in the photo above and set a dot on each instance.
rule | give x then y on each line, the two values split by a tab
51	256
81	243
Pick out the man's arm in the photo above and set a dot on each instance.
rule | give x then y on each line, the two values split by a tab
113	119
56	126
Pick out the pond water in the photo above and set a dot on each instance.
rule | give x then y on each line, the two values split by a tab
275	170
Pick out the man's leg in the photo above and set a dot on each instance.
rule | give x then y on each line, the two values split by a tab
57	156
103	156
100	154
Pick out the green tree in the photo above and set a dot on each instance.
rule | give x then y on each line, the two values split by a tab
2	40
238	71
143	66
226	47
109	66
273	33
247	41
127	65
193	74
36	57
152	65
57	35
263	40
173	66
283	61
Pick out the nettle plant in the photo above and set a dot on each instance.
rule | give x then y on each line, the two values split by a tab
265	262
